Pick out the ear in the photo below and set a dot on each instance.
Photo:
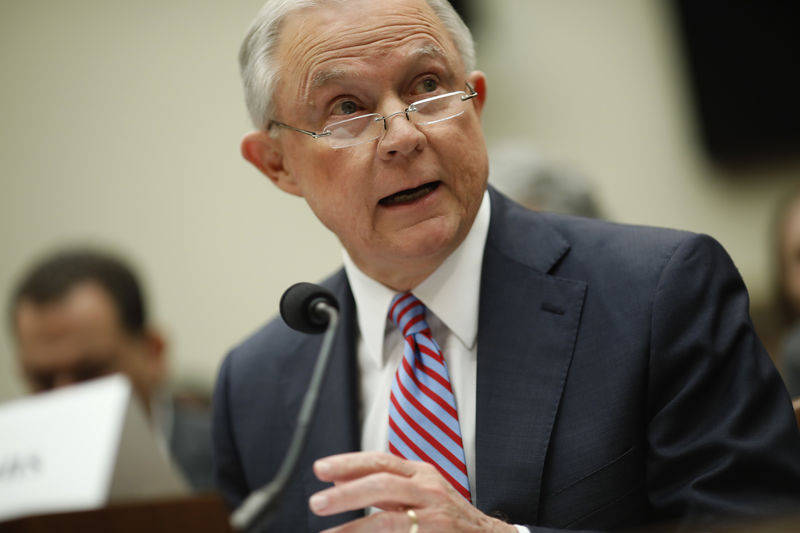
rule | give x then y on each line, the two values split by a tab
266	154
477	79
156	353
146	365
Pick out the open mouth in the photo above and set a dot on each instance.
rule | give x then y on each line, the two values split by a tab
409	195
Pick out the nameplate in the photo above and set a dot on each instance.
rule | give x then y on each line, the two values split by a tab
80	448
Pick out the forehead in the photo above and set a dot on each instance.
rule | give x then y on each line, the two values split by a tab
346	38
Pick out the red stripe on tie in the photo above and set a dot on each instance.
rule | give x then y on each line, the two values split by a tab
422	455
431	372
424	410
433	375
424	389
458	463
413	305
429	393
436	356
409	407
403	298
419	318
396	452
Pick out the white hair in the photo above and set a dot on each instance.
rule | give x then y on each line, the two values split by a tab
259	68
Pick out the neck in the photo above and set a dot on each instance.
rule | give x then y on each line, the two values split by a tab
399	275
397	278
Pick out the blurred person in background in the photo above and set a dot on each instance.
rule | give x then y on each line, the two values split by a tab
538	183
788	290
80	314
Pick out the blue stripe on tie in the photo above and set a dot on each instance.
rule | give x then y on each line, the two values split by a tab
428	449
437	436
407	310
402	447
417	327
427	402
428	381
426	424
436	388
431	364
408	314
429	343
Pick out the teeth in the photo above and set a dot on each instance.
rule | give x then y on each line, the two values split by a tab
409	195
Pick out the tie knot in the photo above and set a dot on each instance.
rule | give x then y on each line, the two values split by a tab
408	314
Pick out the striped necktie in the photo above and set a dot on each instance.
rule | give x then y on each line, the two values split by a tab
423	421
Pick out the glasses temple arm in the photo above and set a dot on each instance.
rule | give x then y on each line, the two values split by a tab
307	132
472	92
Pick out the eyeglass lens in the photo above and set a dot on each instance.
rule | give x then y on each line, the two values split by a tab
367	128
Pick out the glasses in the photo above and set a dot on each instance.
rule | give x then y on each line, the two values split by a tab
366	128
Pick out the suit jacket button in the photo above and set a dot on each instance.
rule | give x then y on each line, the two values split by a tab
500	515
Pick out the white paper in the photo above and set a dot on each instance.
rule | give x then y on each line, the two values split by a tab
79	448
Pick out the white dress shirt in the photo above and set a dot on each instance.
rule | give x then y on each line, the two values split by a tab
451	297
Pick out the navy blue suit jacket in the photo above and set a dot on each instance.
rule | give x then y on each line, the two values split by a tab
619	383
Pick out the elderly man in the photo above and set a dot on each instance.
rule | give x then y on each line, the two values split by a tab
495	369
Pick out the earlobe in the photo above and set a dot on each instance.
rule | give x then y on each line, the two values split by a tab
264	152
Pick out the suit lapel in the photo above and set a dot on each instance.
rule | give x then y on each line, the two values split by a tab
520	375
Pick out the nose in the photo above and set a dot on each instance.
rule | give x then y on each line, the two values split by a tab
400	138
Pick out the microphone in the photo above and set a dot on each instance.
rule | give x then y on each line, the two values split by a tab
307	308
300	307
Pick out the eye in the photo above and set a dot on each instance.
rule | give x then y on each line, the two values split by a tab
427	85
345	107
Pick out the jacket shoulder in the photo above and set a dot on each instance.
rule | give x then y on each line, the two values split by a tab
274	341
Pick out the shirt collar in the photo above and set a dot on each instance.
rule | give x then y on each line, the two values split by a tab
451	292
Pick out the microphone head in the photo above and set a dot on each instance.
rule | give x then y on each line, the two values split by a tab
298	307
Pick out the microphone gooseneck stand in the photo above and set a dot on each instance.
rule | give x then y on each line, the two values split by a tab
260	505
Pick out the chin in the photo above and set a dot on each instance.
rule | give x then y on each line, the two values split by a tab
431	238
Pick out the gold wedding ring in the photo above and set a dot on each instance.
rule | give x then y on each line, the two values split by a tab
414	524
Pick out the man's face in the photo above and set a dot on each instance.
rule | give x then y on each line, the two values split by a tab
366	56
79	337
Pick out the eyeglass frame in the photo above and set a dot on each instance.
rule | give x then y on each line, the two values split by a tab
410	109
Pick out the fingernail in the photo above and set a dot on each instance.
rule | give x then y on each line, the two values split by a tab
318	502
323	467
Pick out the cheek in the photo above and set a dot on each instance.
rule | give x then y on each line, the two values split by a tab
470	170
339	193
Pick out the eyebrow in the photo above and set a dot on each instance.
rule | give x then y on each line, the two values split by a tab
429	50
322	77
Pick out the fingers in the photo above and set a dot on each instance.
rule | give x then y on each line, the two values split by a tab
347	466
382	489
372	479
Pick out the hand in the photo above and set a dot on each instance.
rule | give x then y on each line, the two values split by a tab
365	479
